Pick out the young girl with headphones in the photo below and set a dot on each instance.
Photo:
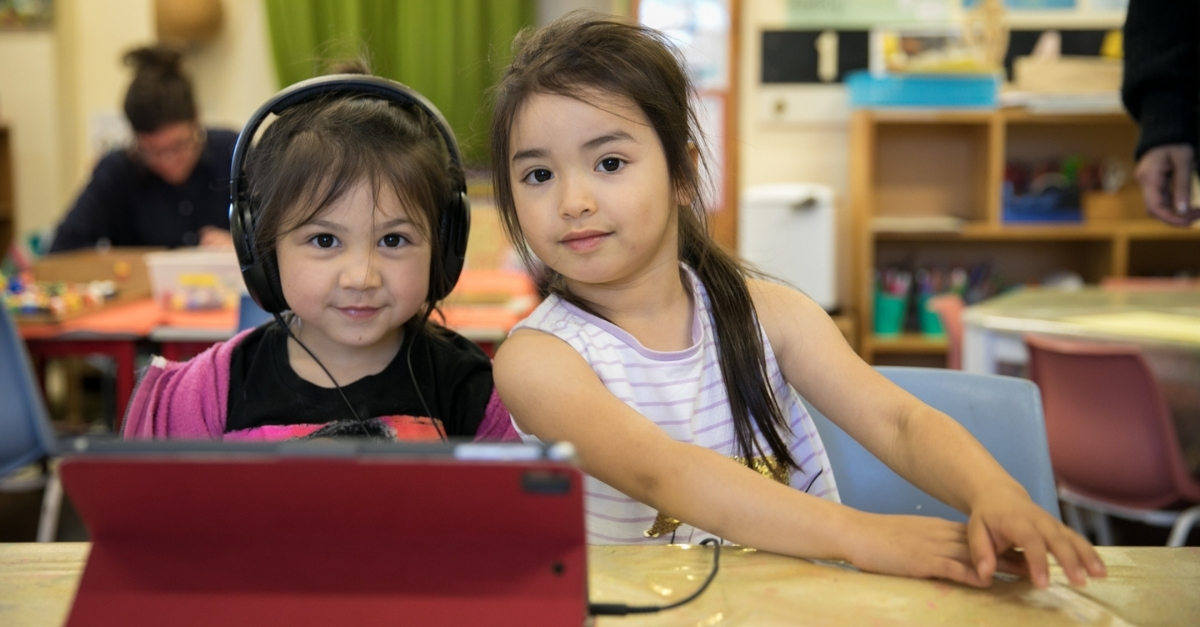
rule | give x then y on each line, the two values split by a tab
675	372
350	220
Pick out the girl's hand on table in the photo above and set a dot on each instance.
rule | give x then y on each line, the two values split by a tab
912	546
1008	521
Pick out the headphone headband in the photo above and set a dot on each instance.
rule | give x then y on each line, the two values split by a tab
261	273
336	85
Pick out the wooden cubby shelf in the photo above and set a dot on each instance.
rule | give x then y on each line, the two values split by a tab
908	343
926	190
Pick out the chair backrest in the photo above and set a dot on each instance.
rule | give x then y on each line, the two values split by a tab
25	432
1110	430
949	309
1003	413
250	314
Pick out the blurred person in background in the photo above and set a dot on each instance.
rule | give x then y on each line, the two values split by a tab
169	188
1161	90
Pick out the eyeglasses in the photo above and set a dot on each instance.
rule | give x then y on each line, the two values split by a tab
179	147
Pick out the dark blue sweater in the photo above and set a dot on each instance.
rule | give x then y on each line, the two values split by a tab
129	205
1161	86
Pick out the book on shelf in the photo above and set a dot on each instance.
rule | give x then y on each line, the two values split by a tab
917	224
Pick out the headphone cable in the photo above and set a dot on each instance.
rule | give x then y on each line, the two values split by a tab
357	419
620	609
437	424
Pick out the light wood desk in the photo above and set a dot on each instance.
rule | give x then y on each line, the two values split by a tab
1146	586
1159	321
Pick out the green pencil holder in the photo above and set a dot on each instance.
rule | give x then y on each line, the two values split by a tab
931	323
889	313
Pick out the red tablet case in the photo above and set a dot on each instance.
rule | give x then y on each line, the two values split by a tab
309	541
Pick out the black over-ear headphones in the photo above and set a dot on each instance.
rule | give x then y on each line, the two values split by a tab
261	272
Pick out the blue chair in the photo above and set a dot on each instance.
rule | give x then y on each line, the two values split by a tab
25	432
26	435
250	314
1003	413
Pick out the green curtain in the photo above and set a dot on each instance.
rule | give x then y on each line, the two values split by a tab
449	50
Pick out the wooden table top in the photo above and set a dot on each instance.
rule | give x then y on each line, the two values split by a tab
1145	586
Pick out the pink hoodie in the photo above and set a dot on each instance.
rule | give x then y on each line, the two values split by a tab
188	400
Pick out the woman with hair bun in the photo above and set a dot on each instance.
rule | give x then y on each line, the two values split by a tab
171	186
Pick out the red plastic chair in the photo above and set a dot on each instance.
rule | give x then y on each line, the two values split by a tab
949	308
1113	443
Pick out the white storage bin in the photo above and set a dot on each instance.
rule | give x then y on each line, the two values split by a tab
194	279
789	231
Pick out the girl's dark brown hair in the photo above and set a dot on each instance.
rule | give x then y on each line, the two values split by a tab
584	52
314	153
160	93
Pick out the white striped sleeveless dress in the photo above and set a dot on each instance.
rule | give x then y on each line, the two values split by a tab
684	394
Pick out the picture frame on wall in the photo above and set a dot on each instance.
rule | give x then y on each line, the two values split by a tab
26	14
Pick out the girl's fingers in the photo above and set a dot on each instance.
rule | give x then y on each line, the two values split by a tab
956	570
983	552
1087	554
1034	547
1012	562
956	562
1181	181
1068	558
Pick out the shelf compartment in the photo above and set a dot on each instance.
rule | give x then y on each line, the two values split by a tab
931	170
1164	257
1032	141
1025	261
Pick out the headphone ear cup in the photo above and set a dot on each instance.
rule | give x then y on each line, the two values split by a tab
275	302
259	273
452	236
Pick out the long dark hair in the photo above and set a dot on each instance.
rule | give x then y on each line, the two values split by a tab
160	93
583	51
316	152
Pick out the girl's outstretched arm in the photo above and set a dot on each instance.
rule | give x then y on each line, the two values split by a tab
554	394
920	443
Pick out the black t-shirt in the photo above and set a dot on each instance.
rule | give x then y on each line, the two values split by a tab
129	205
452	374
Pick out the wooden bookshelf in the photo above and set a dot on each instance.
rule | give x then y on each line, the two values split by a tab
936	164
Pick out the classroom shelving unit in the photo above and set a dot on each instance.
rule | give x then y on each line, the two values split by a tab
923	167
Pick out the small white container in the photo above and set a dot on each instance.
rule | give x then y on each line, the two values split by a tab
789	231
195	278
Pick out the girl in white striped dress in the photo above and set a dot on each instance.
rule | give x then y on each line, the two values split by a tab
675	374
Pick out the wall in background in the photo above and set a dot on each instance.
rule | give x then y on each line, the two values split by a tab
234	73
29	106
90	38
812	147
550	10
